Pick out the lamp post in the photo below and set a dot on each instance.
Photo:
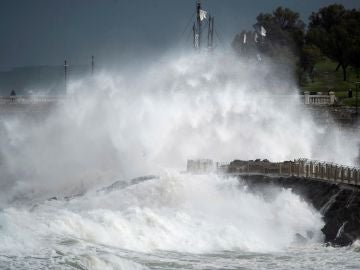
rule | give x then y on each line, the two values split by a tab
356	97
65	73
92	65
357	89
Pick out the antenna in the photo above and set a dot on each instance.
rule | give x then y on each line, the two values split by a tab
195	39
197	27
198	21
201	16
92	65
65	74
211	33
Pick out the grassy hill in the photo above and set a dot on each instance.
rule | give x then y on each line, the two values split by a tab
327	78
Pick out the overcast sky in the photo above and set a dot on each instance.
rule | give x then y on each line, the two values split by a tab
45	32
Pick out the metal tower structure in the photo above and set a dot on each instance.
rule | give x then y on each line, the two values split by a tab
211	33
198	25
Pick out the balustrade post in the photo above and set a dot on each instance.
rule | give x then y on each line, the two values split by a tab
332	97
307	97
327	171
303	169
290	171
307	170
345	174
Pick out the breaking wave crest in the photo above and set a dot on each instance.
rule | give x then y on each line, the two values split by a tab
175	212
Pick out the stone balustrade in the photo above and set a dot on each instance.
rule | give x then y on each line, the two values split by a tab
305	168
319	99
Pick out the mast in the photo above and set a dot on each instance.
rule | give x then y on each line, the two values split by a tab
201	15
197	27
198	21
65	73
92	65
195	38
211	33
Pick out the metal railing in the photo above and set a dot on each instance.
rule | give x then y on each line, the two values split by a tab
311	169
31	99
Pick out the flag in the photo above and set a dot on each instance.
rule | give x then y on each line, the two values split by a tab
262	31
202	14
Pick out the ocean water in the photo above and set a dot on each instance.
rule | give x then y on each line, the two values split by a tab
62	208
174	221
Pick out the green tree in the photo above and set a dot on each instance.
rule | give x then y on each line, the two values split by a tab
353	26
310	55
285	40
244	43
284	28
335	31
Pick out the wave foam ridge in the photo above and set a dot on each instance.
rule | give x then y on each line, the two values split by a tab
177	212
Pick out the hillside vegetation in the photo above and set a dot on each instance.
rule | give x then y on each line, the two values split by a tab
326	78
323	55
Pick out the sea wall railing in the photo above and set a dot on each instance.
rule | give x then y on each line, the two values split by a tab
307	99
312	169
35	99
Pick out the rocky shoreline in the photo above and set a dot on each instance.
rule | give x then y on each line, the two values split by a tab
338	203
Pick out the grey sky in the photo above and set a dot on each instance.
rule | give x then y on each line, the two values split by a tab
44	32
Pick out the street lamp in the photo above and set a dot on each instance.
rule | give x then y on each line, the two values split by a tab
356	97
65	73
357	82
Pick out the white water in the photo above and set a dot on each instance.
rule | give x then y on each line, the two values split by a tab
178	212
143	119
150	120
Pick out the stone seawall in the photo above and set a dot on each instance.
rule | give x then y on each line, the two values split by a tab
338	203
335	116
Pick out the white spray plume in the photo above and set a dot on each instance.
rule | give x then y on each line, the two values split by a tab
139	121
